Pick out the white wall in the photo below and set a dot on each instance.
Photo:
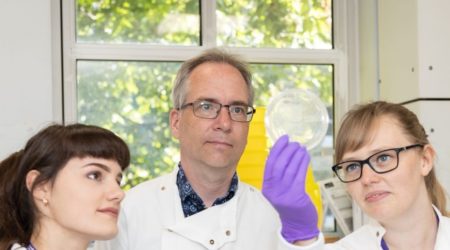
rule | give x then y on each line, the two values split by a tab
414	59
433	41
398	50
368	50
26	86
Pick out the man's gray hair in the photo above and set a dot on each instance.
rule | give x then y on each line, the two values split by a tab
214	55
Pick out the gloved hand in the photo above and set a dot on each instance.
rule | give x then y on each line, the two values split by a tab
284	187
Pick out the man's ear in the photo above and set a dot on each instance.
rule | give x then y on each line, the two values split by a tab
174	121
428	156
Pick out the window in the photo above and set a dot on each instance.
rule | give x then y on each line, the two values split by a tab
121	57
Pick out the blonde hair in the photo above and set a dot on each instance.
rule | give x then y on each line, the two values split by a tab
353	134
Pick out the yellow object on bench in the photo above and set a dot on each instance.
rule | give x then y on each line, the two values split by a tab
251	165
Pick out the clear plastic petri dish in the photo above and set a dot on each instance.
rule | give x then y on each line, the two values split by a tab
298	113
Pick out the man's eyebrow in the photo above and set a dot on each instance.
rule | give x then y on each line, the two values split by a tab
206	99
216	101
239	103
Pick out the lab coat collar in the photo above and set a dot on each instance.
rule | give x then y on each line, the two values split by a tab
213	227
378	230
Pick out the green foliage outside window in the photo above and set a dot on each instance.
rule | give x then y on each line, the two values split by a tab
138	21
245	23
275	24
133	98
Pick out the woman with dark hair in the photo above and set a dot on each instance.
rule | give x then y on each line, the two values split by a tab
63	189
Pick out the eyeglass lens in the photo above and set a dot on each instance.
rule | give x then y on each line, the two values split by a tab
381	162
210	110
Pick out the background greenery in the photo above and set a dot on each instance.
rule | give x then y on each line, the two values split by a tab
133	98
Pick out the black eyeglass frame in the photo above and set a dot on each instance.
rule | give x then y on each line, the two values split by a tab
336	167
250	110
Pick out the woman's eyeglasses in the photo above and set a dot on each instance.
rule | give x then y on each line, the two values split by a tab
381	162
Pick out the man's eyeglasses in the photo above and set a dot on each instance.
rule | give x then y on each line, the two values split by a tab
381	162
210	110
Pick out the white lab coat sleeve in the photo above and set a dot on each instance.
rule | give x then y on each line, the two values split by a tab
17	247
319	244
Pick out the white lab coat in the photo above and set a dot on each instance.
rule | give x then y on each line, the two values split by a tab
17	247
369	237
151	218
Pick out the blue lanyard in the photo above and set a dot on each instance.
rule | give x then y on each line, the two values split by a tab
384	245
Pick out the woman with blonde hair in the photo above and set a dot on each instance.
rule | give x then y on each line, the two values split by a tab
387	164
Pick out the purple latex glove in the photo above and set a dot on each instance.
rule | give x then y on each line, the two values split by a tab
284	187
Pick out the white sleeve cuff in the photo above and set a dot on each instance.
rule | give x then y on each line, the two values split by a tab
283	244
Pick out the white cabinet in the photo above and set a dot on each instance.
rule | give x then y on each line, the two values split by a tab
414	54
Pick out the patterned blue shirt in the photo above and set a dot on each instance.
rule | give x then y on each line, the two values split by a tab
191	202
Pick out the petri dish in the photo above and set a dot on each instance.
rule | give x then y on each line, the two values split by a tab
298	113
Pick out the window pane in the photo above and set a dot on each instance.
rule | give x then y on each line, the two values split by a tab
139	21
276	24
133	100
271	79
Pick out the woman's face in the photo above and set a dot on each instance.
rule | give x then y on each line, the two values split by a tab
85	197
392	194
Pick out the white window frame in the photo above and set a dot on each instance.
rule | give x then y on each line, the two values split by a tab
343	57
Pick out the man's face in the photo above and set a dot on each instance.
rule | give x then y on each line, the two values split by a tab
218	142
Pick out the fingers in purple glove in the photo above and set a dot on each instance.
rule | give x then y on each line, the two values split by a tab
283	160
305	159
296	169
275	151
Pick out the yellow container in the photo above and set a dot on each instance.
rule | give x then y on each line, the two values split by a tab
252	162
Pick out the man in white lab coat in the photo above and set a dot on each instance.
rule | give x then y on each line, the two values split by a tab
202	204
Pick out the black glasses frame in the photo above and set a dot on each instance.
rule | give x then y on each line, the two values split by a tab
250	110
337	167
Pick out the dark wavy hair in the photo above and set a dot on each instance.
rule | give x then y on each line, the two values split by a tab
47	152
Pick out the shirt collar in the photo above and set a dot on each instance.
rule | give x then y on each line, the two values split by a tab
191	201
